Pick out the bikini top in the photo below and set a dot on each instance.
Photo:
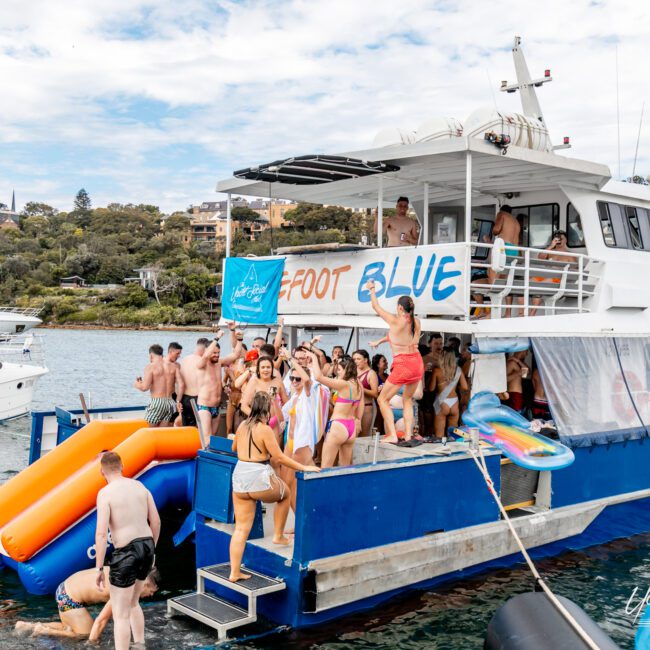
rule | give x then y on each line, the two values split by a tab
344	400
364	379
411	348
252	443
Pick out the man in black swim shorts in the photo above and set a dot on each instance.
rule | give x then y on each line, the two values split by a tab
127	509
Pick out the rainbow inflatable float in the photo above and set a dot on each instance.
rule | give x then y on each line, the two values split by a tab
510	432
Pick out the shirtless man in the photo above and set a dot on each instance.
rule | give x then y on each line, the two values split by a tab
210	389
516	370
161	376
400	230
73	596
127	509
507	227
192	380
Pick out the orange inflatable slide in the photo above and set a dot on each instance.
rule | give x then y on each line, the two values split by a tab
50	495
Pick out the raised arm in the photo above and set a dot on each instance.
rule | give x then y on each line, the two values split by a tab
202	363
498	225
376	344
247	397
277	341
391	319
243	377
334	384
233	356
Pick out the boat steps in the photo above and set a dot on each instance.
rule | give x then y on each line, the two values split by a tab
219	613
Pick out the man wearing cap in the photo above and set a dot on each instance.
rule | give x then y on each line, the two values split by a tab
400	230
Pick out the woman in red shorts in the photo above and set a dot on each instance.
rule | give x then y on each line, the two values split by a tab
407	370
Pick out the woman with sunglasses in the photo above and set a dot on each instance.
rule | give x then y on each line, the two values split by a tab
254	480
345	421
301	433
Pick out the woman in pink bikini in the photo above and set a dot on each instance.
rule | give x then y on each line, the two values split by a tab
370	384
407	371
346	416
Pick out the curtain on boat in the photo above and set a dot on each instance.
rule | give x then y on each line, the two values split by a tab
598	388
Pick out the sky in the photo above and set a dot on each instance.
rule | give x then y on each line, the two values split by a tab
153	102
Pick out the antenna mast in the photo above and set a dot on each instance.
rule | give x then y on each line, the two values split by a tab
526	87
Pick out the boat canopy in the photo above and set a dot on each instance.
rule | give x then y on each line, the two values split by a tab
435	169
313	170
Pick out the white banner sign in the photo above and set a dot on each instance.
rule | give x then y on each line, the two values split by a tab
335	283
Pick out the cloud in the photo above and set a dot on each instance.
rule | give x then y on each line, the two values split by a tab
125	96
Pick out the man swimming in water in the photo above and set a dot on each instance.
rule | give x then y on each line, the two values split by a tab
400	230
127	509
73	596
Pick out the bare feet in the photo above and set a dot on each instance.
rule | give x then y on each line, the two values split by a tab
281	541
236	577
23	628
388	438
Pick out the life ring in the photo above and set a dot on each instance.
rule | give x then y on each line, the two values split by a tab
498	259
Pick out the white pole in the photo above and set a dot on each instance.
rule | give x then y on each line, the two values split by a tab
228	224
380	213
425	214
468	196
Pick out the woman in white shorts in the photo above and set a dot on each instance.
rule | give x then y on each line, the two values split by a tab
254	480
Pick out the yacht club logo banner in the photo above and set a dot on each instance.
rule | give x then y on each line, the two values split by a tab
434	276
250	290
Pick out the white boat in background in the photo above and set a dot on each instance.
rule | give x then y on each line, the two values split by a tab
21	364
15	320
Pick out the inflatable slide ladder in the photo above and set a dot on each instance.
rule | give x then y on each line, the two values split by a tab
47	512
217	612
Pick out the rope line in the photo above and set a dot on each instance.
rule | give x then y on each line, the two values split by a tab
478	458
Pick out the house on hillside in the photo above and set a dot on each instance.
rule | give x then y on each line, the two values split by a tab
72	282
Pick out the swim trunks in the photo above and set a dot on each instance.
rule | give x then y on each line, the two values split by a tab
132	562
407	369
515	400
509	250
63	600
213	410
187	414
160	409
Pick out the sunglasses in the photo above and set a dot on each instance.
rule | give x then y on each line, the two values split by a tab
297	380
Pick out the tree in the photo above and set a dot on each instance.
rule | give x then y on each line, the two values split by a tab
15	266
82	211
82	202
244	214
34	226
178	222
34	209
163	282
315	217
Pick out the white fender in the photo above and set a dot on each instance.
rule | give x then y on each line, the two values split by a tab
498	260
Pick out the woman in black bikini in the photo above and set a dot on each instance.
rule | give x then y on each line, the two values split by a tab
254	480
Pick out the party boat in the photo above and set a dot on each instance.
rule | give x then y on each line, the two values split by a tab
370	531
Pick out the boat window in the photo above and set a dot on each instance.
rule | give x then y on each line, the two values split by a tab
606	224
575	235
481	231
538	222
635	230
643	219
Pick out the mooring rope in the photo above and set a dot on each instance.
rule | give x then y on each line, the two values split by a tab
478	458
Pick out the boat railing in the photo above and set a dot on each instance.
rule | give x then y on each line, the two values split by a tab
23	311
27	348
527	283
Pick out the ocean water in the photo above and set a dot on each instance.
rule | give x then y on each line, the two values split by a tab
105	364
